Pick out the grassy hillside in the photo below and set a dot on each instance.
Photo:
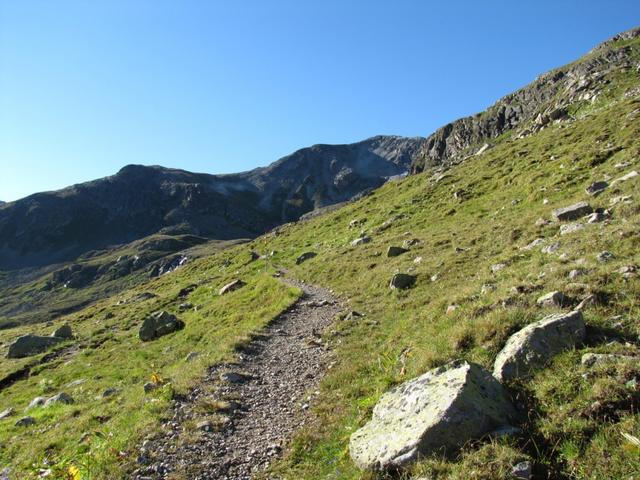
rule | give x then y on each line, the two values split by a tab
477	214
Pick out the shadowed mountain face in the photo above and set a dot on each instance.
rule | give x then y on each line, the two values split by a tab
139	201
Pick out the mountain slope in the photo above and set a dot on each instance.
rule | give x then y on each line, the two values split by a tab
457	225
138	201
552	96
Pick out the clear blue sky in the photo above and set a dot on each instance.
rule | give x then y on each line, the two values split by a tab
221	86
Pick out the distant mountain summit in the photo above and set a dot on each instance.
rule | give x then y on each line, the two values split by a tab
138	201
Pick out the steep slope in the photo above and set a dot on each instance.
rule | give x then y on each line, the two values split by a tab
456	225
138	201
553	96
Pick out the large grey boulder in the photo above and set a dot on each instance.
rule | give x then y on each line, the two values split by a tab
438	411
158	324
28	345
61	398
572	212
536	344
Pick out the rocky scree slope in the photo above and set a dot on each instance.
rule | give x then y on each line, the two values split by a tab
138	201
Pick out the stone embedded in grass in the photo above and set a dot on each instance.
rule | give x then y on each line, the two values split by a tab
620	199
361	241
235	377
624	178
36	402
575	273
522	471
497	267
185	291
25	422
487	288
437	412
605	256
150	386
61	398
552	299
571	228
597	217
536	344
589	301
596	188
232	287
158	324
551	248
533	244
28	345
402	281
305	256
393	251
572	212
109	392
6	413
64	331
595	359
411	242
191	356
541	222
628	271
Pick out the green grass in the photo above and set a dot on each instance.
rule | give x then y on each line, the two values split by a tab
576	415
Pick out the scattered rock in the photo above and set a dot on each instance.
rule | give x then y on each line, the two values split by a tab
541	222
620	199
552	299
109	392
572	212
304	257
628	271
25	422
185	306
417	260
402	281
551	248
596	188
571	228
150	386
234	377
624	178
442	409
587	302
395	251
497	267
59	398
205	425
352	315
63	332
575	273
361	241
6	413
411	242
605	256
28	345
522	471
231	287
452	308
36	402
435	277
187	290
535	345
595	359
535	243
597	217
488	287
158	324
191	356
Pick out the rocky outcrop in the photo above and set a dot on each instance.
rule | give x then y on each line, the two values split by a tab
437	412
28	345
158	324
536	344
529	109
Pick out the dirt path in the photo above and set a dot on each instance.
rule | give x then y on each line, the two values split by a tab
267	395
